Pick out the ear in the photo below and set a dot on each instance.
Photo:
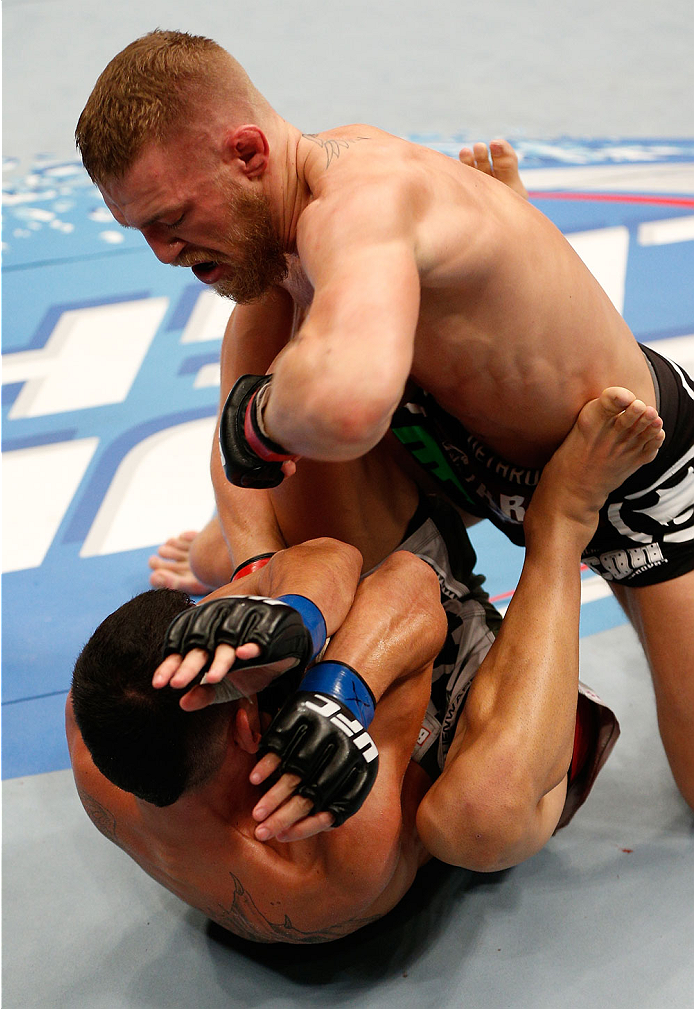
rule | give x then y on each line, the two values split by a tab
249	146
247	724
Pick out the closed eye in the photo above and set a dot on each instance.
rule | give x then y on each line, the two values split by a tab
175	223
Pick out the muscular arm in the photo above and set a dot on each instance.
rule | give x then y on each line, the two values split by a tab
337	384
324	571
391	635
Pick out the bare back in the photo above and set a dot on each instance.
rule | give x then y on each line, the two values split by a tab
203	850
511	322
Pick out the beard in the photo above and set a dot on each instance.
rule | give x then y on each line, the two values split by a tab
256	261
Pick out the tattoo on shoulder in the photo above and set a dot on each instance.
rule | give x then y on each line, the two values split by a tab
102	819
245	919
332	148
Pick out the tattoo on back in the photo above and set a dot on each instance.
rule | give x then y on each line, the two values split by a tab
246	920
332	148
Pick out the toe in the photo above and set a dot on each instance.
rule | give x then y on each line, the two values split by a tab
615	400
482	160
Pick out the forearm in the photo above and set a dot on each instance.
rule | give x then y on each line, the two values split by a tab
531	673
396	625
325	571
246	516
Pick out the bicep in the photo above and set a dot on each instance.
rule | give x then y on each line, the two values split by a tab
361	326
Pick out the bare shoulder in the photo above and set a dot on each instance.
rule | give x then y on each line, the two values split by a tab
310	891
282	901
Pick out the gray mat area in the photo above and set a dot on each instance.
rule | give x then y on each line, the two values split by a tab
602	917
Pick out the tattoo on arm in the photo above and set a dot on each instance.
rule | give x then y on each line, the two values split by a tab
332	148
246	920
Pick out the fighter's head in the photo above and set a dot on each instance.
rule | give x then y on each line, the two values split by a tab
138	737
176	137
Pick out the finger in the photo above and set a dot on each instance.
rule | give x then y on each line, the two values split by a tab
248	651
297	808
266	766
279	793
167	669
224	658
307	827
466	157
192	664
197	698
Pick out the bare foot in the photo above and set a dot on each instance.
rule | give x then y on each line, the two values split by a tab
502	164
171	566
613	436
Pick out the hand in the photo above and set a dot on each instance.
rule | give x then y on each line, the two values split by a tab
326	758
281	812
249	457
266	636
217	685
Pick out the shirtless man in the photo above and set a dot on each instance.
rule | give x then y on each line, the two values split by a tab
366	261
265	866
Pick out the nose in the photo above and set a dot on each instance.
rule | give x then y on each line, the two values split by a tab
165	247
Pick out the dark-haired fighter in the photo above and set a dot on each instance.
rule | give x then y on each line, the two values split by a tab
499	787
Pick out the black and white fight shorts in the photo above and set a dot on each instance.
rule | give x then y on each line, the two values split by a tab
437	535
646	529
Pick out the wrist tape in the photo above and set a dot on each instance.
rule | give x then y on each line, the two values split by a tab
312	618
344	684
259	442
252	564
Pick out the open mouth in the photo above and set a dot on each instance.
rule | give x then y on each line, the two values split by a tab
208	272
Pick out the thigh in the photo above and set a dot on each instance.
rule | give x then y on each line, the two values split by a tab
663	616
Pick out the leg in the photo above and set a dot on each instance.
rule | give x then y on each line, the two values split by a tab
503	787
663	616
504	166
192	562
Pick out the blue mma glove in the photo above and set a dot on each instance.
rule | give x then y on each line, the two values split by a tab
320	735
249	457
288	627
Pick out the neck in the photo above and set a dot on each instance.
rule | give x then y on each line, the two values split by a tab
285	183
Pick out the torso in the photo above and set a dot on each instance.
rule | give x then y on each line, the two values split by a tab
203	850
512	324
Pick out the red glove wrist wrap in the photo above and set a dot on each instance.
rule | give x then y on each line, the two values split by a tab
252	564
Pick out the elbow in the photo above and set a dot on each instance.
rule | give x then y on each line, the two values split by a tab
480	829
351	426
338	417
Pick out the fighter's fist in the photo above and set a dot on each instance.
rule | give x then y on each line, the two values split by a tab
320	736
249	457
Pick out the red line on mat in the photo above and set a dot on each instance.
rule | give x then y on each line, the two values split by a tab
670	201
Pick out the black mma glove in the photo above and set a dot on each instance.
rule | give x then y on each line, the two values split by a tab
249	457
288	627
320	735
